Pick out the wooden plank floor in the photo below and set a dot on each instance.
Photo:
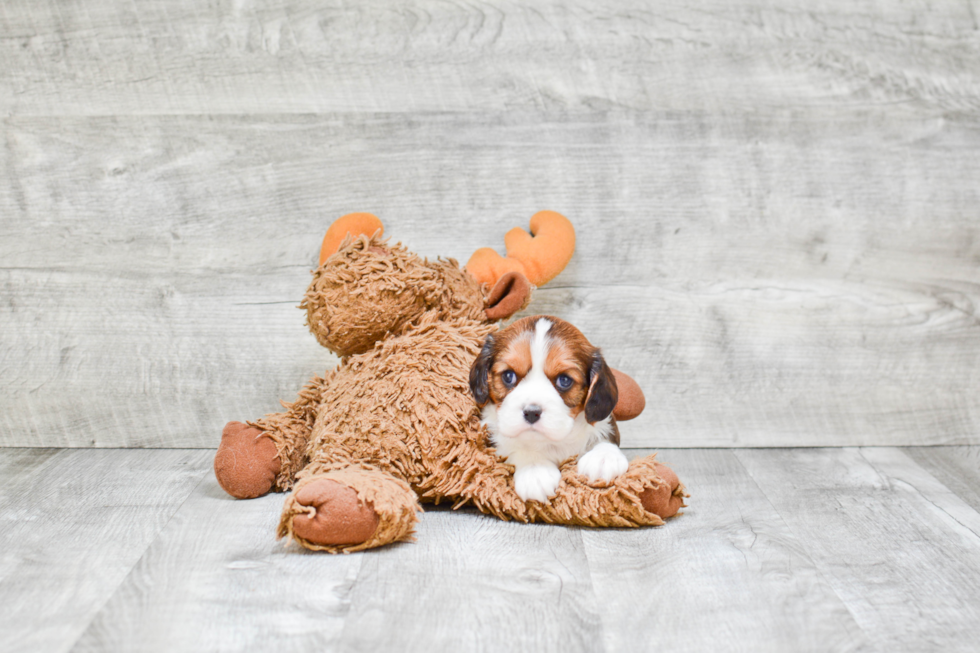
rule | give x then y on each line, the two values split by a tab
780	549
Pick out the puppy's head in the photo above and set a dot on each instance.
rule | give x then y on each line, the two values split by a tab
539	376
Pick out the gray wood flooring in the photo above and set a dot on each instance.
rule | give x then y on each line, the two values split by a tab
777	203
832	549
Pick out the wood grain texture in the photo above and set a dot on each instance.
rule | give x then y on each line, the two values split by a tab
729	574
72	525
260	57
957	468
475	583
795	279
786	549
899	548
216	579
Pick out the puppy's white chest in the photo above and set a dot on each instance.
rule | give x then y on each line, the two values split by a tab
536	458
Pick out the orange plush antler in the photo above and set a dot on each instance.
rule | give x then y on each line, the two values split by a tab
355	224
539	255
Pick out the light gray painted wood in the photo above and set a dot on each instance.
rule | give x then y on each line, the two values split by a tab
240	56
901	469
958	468
72	525
727	575
795	279
475	583
805	549
777	206
19	466
898	547
216	579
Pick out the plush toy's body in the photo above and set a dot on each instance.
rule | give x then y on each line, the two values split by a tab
396	423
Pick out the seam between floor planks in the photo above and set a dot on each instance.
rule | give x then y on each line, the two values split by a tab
136	562
881	518
76	526
756	535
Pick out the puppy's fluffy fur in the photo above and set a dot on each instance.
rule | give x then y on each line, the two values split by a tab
547	394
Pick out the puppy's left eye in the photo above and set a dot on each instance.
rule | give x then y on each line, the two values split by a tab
564	382
509	378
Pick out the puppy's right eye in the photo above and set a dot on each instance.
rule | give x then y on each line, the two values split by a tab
509	378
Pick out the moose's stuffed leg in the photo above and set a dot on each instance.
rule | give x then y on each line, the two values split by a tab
631	401
645	495
349	509
666	499
254	458
247	463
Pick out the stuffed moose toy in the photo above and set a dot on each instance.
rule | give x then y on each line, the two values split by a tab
395	424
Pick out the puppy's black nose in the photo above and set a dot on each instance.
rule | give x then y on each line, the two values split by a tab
532	413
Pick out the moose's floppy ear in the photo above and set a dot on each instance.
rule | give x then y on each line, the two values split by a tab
509	295
603	392
480	373
631	401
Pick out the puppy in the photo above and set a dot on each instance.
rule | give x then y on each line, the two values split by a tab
547	395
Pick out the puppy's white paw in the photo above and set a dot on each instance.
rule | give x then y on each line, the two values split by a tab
537	482
603	463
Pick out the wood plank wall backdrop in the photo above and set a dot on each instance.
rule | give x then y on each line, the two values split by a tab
778	204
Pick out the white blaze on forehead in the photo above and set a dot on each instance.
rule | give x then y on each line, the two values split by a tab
555	421
536	449
539	346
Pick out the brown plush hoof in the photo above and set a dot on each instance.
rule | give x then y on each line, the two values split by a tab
666	499
631	401
247	462
339	517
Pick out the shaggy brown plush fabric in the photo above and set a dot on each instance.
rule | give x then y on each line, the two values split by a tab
395	423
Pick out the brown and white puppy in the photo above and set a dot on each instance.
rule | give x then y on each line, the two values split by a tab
547	395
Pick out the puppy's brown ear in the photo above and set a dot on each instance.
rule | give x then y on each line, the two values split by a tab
480	373
603	393
509	295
